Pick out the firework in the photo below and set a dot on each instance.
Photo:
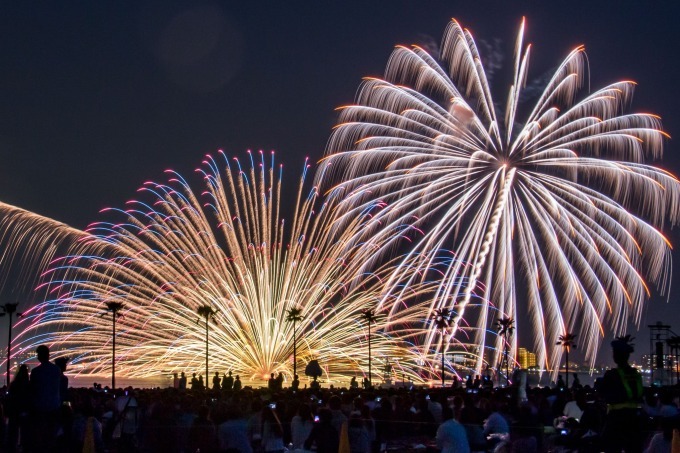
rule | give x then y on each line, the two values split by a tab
174	253
29	242
558	213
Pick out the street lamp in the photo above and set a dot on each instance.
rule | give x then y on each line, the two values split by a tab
9	309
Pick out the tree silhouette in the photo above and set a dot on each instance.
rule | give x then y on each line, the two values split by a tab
567	341
370	317
442	320
294	315
9	309
505	326
207	313
114	308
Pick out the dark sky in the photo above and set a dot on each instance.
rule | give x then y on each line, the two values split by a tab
97	97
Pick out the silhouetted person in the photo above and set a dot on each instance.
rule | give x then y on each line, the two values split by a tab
323	435
183	381
194	382
237	383
315	383
454	381
18	405
201	385
61	362
216	381
203	434
227	382
468	382
560	382
175	381
279	381
366	383
576	384
296	383
622	390
46	402
353	384
66	415
271	384
477	382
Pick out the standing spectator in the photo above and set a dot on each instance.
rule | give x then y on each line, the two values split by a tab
66	411
232	430
335	404
194	382
18	408
353	384
216	381
323	435
295	385
271	383
237	383
46	401
272	430
622	389
202	434
279	382
227	382
183	381
175	381
451	437
359	437
127	417
301	426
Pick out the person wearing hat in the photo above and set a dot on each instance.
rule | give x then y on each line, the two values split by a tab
622	390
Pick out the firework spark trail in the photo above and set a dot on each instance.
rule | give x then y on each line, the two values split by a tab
173	251
560	215
29	242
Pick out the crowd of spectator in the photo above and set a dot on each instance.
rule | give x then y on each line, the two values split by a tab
466	416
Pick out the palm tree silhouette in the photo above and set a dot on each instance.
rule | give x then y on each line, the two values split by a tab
567	341
294	315
370	317
114	308
505	328
442	320
206	312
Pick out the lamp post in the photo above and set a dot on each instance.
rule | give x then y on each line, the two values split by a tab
9	309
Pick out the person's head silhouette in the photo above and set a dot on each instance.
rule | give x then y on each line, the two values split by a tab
622	347
43	353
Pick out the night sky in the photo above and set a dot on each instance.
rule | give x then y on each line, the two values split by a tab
98	97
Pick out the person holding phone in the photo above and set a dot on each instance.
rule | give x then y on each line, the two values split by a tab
301	426
323	434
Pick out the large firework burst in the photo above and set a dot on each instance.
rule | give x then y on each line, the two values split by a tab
558	213
174	253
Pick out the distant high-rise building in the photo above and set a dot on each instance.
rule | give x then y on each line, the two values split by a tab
526	359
